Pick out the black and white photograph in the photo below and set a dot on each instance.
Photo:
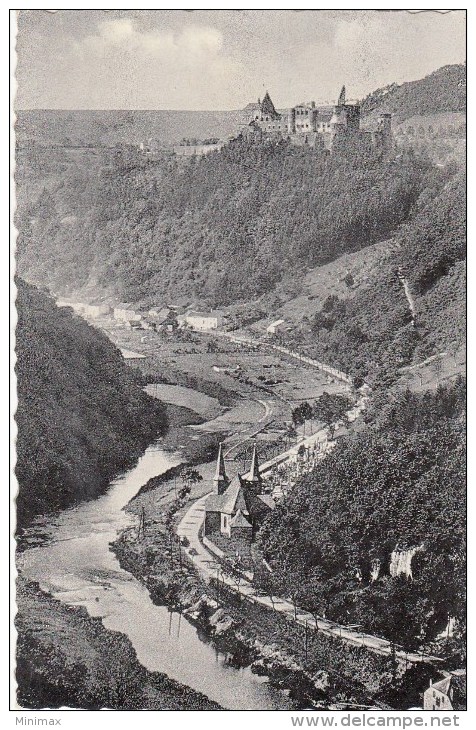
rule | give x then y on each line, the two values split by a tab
239	340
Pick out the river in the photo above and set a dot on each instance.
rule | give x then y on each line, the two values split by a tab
68	554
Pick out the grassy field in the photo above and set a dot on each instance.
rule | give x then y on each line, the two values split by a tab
323	281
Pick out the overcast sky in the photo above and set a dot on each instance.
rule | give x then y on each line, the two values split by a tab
159	59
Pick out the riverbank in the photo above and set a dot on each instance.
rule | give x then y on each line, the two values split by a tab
66	657
312	668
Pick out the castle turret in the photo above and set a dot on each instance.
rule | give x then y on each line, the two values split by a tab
267	106
220	480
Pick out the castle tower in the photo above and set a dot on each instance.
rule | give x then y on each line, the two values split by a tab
220	480
268	109
383	134
292	121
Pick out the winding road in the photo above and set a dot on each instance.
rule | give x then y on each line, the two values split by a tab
209	568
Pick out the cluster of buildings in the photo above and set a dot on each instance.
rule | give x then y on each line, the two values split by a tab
322	127
326	127
167	318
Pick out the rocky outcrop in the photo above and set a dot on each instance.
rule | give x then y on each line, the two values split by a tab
401	561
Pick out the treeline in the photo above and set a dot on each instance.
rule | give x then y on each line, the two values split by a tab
222	228
400	483
443	90
82	415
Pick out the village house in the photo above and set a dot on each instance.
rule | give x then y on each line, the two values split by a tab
77	307
125	312
448	693
97	310
203	321
236	508
156	318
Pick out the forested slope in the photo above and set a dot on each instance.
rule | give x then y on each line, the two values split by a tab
443	90
400	483
371	333
223	228
82	416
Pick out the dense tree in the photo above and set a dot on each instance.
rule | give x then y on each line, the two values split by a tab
330	408
226	227
400	482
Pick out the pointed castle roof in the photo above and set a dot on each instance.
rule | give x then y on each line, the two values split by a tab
267	106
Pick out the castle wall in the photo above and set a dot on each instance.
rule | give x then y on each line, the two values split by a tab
326	127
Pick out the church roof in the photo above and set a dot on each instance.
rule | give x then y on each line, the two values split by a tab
229	502
239	520
234	499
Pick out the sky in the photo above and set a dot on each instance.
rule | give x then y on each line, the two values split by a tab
223	59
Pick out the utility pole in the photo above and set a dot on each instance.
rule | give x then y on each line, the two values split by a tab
305	641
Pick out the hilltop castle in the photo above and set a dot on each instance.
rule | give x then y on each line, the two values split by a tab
324	127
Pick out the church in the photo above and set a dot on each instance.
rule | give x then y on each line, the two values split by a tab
237	507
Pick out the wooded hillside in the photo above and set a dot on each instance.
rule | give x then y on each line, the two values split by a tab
398	484
82	416
222	228
443	90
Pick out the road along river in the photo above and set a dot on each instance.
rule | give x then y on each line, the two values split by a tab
68	555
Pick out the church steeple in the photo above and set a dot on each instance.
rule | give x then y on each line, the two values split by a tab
341	101
220	480
253	477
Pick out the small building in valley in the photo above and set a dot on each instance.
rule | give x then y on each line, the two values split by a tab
275	327
448	693
125	312
203	321
97	310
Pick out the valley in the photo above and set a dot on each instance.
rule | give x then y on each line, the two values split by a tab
270	321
